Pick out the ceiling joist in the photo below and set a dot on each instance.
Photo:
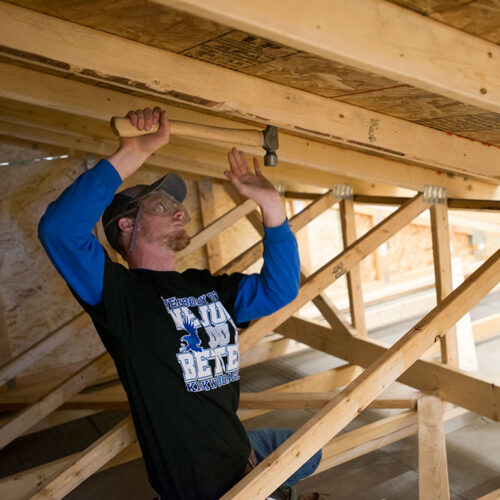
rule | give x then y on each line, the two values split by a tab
314	163
88	53
372	35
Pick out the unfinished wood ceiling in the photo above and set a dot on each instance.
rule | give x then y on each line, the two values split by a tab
203	40
395	94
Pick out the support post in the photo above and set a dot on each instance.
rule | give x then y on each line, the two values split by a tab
432	464
354	287
208	215
443	272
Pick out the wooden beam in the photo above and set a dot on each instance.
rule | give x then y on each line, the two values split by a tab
42	347
83	100
327	309
453	203
442	270
354	286
91	54
254	253
217	226
63	130
373	436
253	217
325	424
327	380
313	400
87	462
54	399
493	495
438	58
270	350
460	388
336	268
432	463
208	215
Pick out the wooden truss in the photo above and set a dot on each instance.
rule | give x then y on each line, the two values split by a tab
423	412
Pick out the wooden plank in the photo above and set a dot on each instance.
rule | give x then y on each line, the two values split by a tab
254	253
327	309
486	327
354	286
214	228
442	270
327	380
42	347
181	155
270	350
334	269
439	58
318	161
87	462
313	400
253	217
54	399
432	462
91	54
372	437
460	388
494	495
208	215
325	424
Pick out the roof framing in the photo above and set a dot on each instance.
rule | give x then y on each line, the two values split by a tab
314	163
88	53
371	35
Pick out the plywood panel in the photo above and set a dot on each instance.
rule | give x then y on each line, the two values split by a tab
318	76
139	20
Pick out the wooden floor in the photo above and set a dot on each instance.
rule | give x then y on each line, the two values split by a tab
389	473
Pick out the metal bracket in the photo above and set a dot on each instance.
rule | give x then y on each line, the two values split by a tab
435	194
343	191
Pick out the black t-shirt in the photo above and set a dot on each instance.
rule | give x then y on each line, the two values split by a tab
175	347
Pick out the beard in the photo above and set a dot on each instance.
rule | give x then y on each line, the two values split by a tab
175	240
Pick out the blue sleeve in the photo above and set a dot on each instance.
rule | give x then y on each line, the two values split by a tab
278	282
65	230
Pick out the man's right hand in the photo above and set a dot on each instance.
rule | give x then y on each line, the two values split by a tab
134	151
143	119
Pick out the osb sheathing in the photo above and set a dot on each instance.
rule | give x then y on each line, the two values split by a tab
34	299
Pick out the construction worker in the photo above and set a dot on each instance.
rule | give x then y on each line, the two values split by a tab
173	336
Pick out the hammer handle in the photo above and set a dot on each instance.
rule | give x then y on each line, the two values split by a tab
247	137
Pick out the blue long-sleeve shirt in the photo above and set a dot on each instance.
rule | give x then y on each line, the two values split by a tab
65	232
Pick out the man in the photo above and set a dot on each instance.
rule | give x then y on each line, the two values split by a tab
172	335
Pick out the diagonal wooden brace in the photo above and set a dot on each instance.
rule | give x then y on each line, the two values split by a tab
286	459
336	268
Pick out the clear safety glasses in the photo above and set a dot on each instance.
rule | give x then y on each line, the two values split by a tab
162	203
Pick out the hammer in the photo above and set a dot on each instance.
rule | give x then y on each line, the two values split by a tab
267	138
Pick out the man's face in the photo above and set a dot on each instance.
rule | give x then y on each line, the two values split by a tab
162	222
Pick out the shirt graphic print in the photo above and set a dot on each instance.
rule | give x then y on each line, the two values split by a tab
208	349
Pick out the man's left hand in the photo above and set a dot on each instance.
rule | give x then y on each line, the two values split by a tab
255	186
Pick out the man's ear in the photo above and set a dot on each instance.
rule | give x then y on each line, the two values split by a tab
126	224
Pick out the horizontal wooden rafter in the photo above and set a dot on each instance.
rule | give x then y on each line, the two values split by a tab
54	398
87	101
458	387
436	57
88	53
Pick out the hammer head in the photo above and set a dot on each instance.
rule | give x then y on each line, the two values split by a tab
271	144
